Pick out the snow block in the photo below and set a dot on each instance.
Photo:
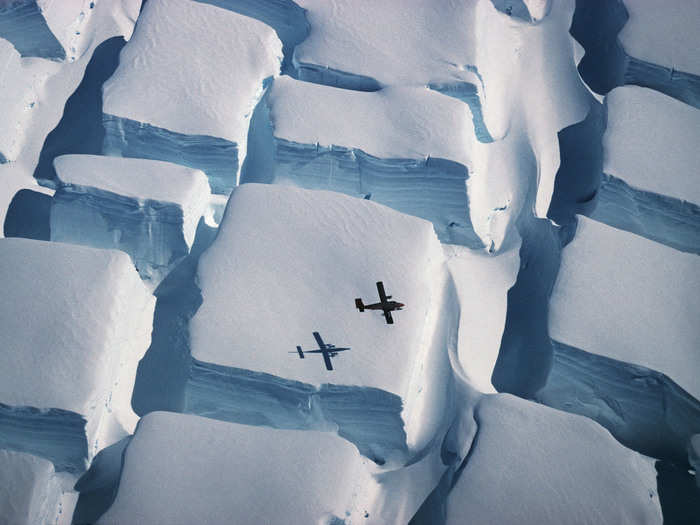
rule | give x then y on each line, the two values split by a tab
268	283
650	186
75	323
299	477
197	72
625	297
149	209
533	464
29	490
406	148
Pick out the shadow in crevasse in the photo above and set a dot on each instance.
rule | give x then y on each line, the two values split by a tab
163	371
80	129
28	216
678	494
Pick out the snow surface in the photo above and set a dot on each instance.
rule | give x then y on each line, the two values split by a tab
651	142
53	83
663	33
394	123
75	323
19	86
406	147
269	281
29	490
176	76
631	299
482	282
201	85
184	469
530	464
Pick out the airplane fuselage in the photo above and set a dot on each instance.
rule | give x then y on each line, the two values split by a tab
389	305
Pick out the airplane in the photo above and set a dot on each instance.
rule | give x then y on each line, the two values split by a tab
384	304
326	350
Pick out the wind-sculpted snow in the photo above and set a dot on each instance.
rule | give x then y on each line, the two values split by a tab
630	299
228	473
284	16
149	209
529	464
67	366
268	284
640	42
644	409
185	94
29	490
482	282
407	148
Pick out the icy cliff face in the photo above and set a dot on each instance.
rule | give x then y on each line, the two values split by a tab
149	209
194	110
29	489
68	365
407	148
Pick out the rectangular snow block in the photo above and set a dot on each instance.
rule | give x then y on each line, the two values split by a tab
76	322
407	148
186	86
184	469
534	464
628	298
29	490
268	283
149	209
650	183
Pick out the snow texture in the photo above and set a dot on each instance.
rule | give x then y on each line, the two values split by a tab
184	469
29	490
149	209
75	323
530	464
185	95
268	283
631	299
650	183
482	282
663	34
407	148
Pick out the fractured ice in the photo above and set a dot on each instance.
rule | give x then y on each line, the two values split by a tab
29	490
268	283
149	209
74	323
407	148
625	297
185	95
649	185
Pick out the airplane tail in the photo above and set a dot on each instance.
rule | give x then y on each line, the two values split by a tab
301	352
359	305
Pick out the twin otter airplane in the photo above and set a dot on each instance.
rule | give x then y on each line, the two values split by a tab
327	350
384	304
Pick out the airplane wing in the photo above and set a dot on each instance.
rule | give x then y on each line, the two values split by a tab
320	342
327	360
387	315
382	293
